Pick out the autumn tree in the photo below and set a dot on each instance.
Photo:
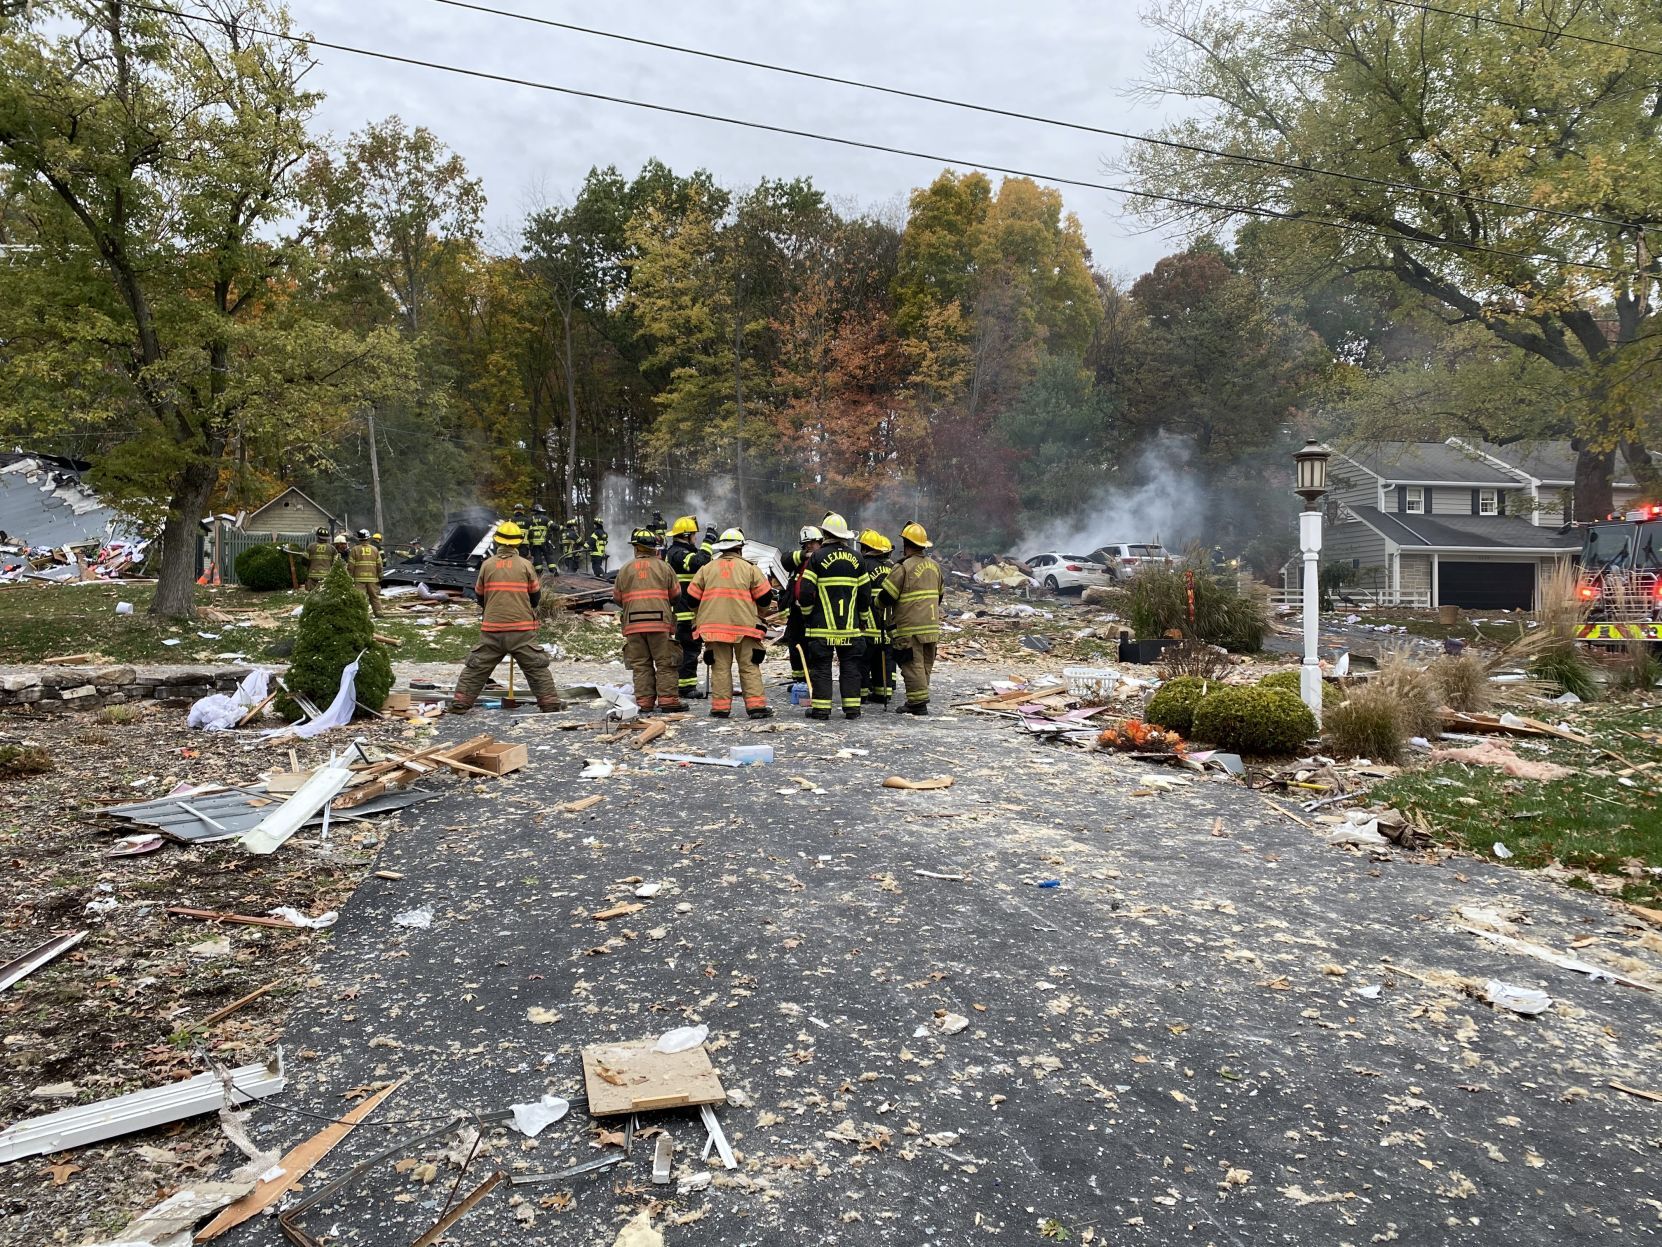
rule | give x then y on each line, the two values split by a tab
1505	172
156	153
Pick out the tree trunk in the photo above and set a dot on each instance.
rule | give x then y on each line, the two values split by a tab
176	585
1594	498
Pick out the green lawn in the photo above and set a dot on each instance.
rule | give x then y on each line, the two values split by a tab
1589	821
42	621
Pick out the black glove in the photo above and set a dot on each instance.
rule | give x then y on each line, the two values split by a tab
758	655
709	657
901	655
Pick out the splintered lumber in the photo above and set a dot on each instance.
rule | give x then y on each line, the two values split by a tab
393	773
255	711
459	1210
1017	696
67	660
246	920
391	642
219	1015
1514	725
297	1162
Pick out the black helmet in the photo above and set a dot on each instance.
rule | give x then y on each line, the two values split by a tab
322	531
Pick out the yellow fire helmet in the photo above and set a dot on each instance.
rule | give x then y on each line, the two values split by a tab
509	533
732	539
836	526
686	524
917	535
375	536
871	539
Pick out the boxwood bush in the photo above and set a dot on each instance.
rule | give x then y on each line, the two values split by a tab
1254	720
1173	704
263	568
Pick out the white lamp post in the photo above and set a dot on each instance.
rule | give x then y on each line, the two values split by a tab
1311	465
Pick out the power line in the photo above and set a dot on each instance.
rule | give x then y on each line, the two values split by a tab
1539	30
1194	148
934	158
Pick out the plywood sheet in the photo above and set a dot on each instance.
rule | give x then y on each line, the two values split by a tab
632	1078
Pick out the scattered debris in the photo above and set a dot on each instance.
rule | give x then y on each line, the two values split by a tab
1495	755
42	954
919	785
179	1213
1525	1000
681	1039
532	1119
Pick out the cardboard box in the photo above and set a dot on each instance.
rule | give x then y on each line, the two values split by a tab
500	757
396	703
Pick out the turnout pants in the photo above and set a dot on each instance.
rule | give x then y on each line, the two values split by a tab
725	654
687	677
794	641
519	647
654	659
541	557
916	669
372	591
849	662
597	565
878	685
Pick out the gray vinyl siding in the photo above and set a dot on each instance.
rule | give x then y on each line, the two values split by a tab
1352	487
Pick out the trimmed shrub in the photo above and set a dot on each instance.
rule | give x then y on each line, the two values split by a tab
1367	724
1464	682
334	627
1173	704
1158	603
1255	720
1332	694
262	569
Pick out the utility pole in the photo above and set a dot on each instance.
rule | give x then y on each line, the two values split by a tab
375	474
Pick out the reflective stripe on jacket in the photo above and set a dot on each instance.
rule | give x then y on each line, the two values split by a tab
537	532
597	545
727	591
505	585
835	596
915	587
685	561
363	561
646	590
876	620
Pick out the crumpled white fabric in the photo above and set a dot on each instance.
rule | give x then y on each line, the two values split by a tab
340	710
532	1119
219	712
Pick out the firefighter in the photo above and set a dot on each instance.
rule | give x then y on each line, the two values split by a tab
731	594
378	540
571	544
709	543
878	685
536	537
647	590
320	557
596	548
808	542
660	526
915	589
835	597
684	560
509	591
343	546
363	561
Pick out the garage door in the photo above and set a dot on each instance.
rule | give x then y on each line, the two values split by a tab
1486	586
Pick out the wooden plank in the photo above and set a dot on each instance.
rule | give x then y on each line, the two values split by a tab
256	711
622	1077
219	1015
460	1210
1050	690
65	660
245	920
297	1162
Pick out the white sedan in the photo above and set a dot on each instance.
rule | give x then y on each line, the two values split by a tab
1059	572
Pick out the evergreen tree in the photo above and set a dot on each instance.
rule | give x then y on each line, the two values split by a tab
335	627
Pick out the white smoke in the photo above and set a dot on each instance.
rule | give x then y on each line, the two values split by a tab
1163	501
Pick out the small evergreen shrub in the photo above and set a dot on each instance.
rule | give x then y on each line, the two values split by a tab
1255	720
1367	724
1173	704
1158	603
263	569
1464	683
334	627
1332	694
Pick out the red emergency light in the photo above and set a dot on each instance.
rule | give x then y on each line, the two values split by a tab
1588	593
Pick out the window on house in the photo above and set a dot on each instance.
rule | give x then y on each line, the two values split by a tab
1414	500
1488	502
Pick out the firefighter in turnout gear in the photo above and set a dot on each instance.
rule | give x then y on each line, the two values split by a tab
596	547
809	541
731	594
835	597
537	533
320	557
660	527
878	685
685	559
510	593
363	561
915	589
647	590
571	544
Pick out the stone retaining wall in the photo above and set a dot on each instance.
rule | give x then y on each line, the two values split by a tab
52	689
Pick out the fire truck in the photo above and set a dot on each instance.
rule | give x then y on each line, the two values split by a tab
1621	578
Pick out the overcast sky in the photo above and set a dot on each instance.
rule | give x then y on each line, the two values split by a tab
1068	59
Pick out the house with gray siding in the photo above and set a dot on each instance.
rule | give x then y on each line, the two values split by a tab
1439	524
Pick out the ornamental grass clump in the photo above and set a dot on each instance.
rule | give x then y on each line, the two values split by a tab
1367	724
